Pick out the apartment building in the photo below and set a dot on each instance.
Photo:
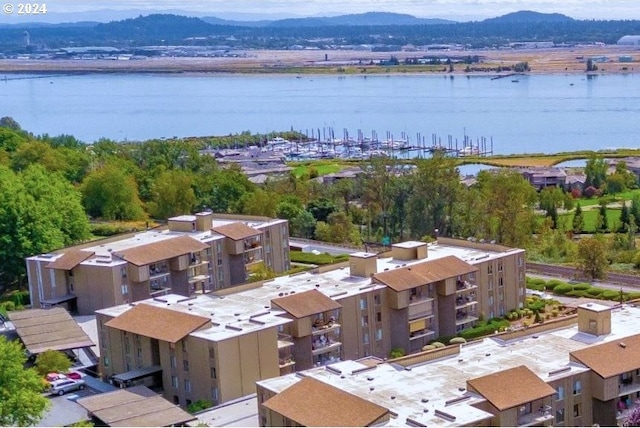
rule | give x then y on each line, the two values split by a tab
198	253
575	372
234	337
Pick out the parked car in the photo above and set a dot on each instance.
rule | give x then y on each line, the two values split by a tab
62	386
51	377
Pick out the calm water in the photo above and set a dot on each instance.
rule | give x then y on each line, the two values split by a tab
535	114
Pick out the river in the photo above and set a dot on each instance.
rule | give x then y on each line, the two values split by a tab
523	114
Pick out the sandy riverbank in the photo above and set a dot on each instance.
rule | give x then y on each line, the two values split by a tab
541	61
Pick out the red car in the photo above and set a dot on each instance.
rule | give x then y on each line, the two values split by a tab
52	377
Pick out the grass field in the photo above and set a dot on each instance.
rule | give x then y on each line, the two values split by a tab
320	167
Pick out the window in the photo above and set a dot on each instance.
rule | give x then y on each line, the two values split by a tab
520	260
577	410
123	272
176	400
185	365
363	303
184	345
365	338
187	385
501	282
213	373
499	266
489	269
490	284
378	334
525	409
172	360
577	387
379	316
365	320
214	394
560	415
490	300
501	295
377	299
106	361
212	352
125	289
560	393
220	275
174	381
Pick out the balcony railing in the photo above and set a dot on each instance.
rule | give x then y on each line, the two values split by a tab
326	328
536	419
463	317
421	309
158	273
198	278
465	286
284	340
253	255
422	334
286	362
323	348
465	301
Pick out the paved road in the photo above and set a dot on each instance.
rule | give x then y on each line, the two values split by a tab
64	410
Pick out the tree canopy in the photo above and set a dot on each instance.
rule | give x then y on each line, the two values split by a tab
21	399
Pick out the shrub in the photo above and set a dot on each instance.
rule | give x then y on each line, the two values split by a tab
536	287
554	313
563	288
535	281
438	344
610	295
590	192
199	405
551	285
8	306
577	293
594	291
396	353
455	340
428	348
109	229
51	361
582	286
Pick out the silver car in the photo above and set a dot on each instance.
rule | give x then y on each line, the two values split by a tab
62	386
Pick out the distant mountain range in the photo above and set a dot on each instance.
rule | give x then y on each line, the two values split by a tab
361	19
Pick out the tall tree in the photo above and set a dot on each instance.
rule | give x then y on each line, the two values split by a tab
435	190
592	258
509	202
52	361
112	194
596	172
578	220
602	223
21	399
625	219
172	194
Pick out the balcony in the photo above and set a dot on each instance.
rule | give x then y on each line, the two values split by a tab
329	327
198	278
253	255
318	347
422	334
421	309
286	362
463	302
158	273
534	419
623	409
627	385
462	286
196	261
252	243
284	341
465	317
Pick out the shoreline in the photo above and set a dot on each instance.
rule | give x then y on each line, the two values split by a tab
570	61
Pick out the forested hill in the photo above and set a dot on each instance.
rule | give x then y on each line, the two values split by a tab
385	31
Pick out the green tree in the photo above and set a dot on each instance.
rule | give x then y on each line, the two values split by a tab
596	172
287	210
578	220
51	361
635	207
602	222
592	258
112	194
39	212
321	209
303	225
258	202
616	183
172	194
338	228
625	219
21	399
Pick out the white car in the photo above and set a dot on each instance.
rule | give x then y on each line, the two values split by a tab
62	386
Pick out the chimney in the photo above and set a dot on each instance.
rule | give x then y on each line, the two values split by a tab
204	221
363	264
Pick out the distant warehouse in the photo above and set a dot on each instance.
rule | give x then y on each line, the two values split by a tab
629	40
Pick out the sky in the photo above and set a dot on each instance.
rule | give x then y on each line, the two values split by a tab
447	9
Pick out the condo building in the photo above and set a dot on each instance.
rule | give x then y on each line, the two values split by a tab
198	253
216	346
579	371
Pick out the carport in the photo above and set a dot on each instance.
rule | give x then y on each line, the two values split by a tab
134	407
125	379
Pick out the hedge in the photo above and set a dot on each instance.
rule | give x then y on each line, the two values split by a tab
577	293
316	259
535	281
552	284
495	324
582	286
535	287
563	288
594	291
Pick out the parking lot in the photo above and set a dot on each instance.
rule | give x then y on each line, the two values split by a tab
64	410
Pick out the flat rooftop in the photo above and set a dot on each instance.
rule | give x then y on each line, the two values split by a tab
235	314
416	392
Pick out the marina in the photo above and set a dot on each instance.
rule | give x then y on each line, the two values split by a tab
323	144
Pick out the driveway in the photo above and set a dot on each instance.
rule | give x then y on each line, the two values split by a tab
64	410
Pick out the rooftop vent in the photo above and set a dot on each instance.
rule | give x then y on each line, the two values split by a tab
425	400
623	345
371	388
558	371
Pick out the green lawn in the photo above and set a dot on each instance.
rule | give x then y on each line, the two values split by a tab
321	167
618	197
316	259
590	218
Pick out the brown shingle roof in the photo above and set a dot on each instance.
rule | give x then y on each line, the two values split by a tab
162	250
311	402
158	323
135	406
511	388
237	231
69	260
611	358
307	303
44	329
428	272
